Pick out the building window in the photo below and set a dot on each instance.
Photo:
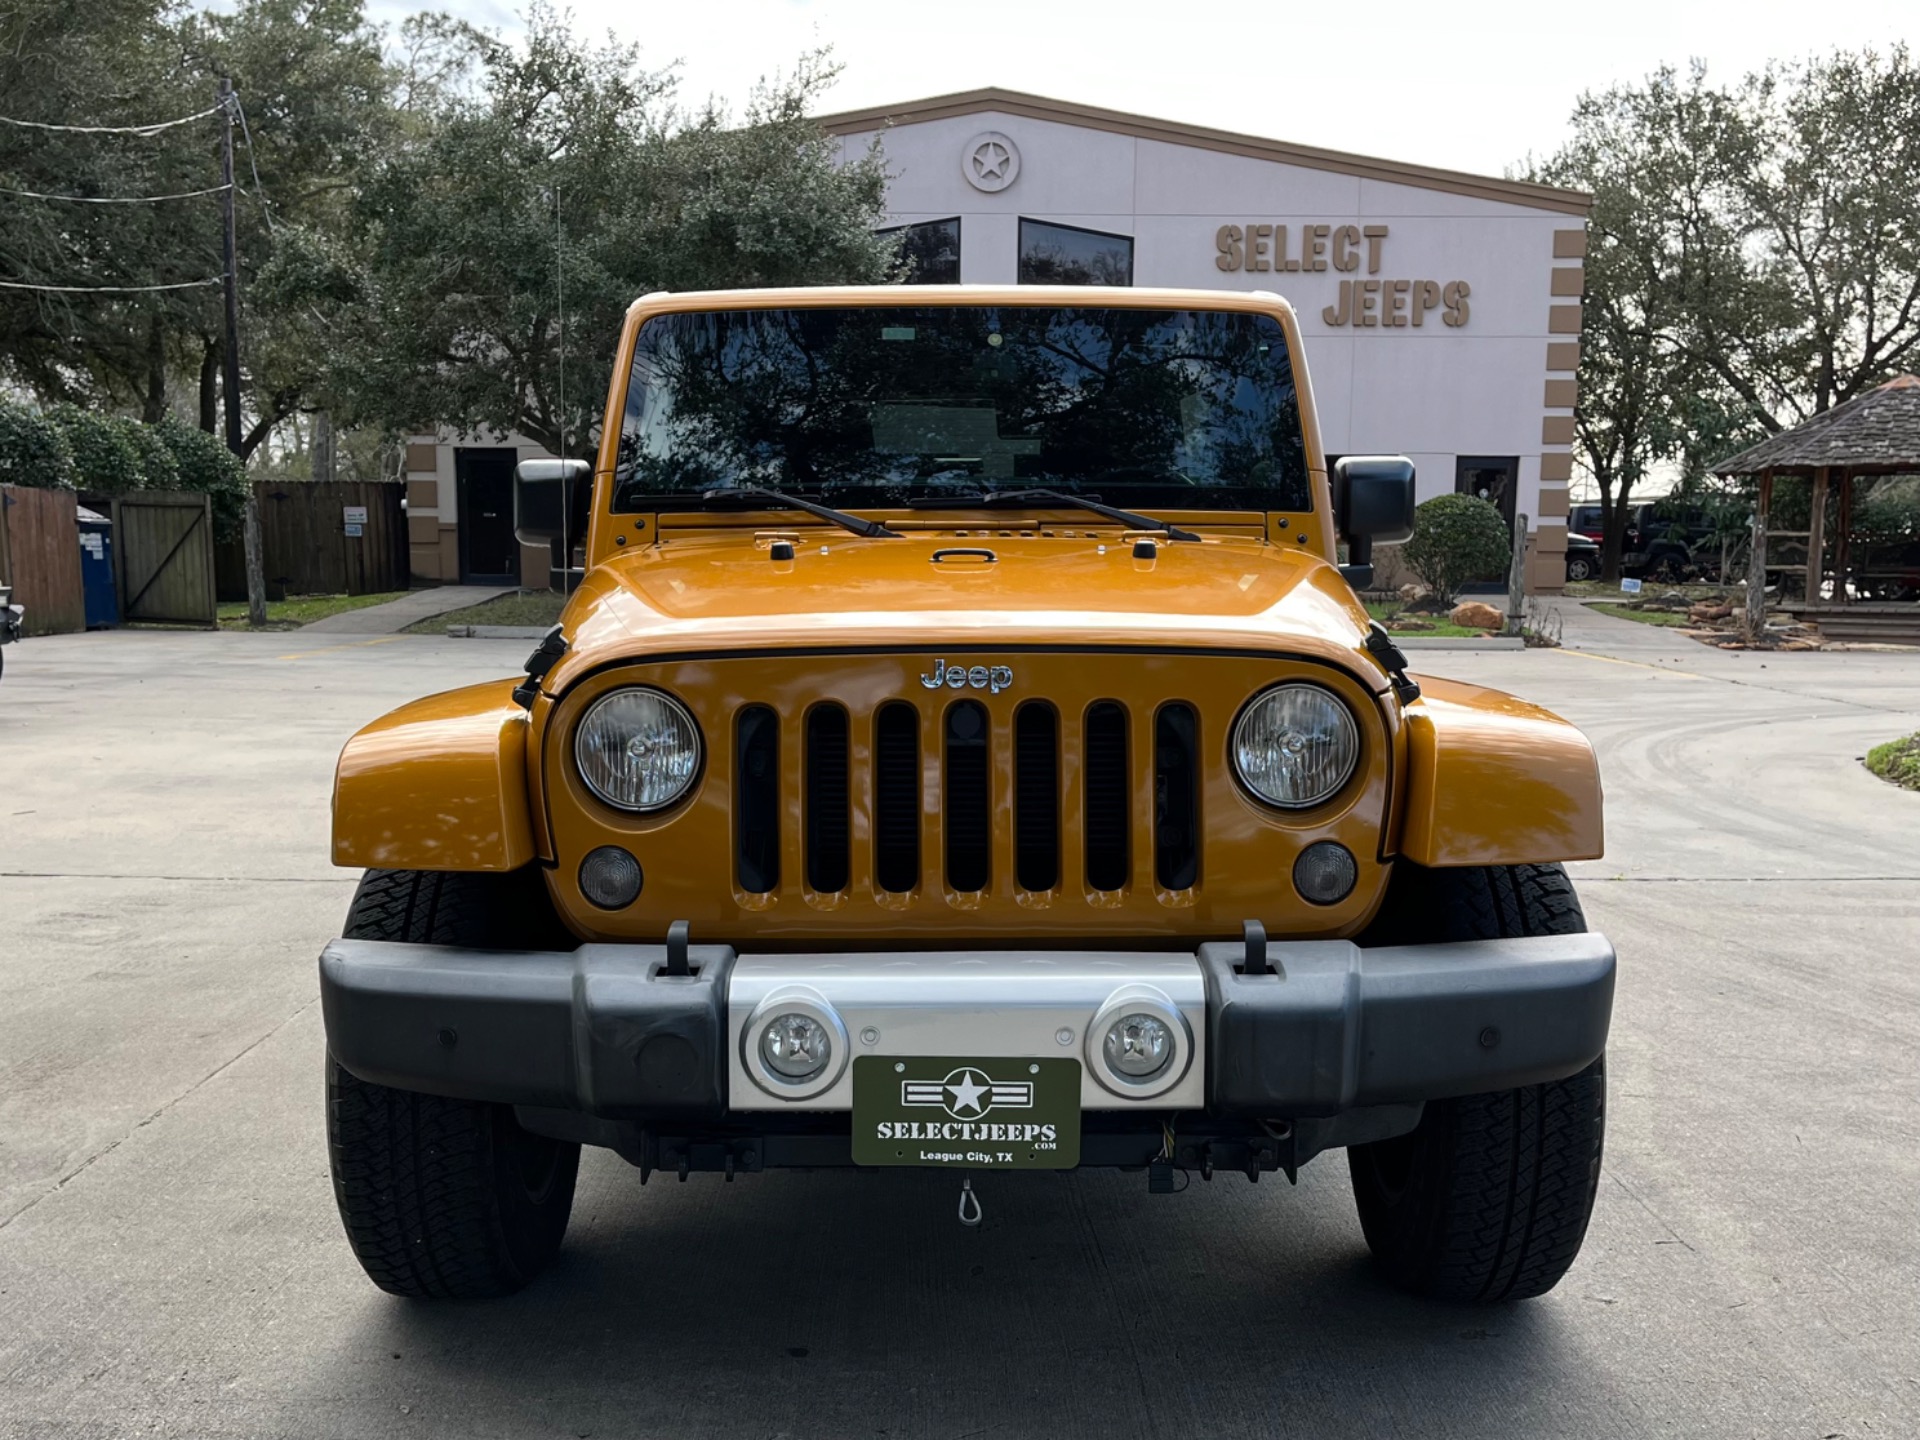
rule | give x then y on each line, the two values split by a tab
932	249
1068	255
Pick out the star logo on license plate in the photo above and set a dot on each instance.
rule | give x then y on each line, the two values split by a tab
968	1093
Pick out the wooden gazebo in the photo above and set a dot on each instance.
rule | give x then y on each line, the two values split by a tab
1874	434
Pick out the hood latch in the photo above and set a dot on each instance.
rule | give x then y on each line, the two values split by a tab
1394	661
545	656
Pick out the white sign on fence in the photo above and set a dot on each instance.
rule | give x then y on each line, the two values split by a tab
356	519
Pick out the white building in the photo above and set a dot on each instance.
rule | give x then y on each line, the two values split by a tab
1441	310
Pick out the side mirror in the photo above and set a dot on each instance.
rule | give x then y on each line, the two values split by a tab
1372	500
548	471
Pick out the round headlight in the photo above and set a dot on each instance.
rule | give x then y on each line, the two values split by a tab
1138	1045
795	1046
1295	746
637	749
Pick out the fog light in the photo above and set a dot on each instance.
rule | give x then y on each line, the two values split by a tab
1138	1045
796	1046
610	878
1325	873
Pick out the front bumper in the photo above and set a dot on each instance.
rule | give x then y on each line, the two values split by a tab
606	1032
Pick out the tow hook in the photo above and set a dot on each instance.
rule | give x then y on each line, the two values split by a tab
970	1213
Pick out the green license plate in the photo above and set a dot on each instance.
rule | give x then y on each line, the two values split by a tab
959	1114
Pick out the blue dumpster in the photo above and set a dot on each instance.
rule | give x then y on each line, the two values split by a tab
96	570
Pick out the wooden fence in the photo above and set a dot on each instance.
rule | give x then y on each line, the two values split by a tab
40	558
163	557
306	549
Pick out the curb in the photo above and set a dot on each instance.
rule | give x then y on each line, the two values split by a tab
496	632
1459	642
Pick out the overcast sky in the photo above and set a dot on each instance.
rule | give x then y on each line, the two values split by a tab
1469	86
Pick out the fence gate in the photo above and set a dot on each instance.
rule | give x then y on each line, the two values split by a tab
338	537
163	557
40	558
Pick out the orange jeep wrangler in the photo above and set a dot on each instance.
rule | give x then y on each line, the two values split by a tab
966	749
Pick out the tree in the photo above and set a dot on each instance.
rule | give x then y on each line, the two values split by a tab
1753	259
316	91
1659	247
1820	171
1457	539
562	166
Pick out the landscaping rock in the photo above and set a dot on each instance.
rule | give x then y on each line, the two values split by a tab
1477	615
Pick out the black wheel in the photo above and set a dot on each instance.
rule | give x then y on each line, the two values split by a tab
1579	568
446	1199
1671	569
1488	1198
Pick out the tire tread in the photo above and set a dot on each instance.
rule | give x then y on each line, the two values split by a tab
419	1178
1503	1184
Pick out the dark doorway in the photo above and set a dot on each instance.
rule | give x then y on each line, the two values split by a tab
489	551
1494	478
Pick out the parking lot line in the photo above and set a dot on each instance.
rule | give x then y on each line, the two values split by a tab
329	649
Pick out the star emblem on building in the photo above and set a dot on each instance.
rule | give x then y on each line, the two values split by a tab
990	160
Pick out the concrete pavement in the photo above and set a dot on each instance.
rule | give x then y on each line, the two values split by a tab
170	1262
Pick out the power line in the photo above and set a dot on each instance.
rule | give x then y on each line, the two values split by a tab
113	199
266	206
110	129
109	289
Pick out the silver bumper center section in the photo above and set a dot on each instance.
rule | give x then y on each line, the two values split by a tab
1029	1005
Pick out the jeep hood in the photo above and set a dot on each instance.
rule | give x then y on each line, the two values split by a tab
721	593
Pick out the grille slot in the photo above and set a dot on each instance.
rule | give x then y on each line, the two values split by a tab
1036	797
896	798
1104	767
756	800
969	803
1176	797
827	825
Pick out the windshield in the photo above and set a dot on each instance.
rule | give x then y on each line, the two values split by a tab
878	406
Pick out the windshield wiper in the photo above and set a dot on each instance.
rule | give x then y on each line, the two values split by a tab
872	529
1057	497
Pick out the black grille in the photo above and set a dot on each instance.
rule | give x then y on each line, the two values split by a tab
826	801
1104	768
756	800
1036	797
896	798
969	805
1176	797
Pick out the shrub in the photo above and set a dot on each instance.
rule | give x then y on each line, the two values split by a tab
1457	539
106	457
33	450
202	464
158	468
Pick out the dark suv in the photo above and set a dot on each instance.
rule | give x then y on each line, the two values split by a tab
1659	541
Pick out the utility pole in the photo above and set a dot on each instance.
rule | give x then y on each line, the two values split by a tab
230	360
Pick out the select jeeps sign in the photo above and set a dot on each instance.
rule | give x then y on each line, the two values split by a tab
942	1111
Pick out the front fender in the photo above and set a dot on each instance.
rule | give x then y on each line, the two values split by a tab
1493	780
440	784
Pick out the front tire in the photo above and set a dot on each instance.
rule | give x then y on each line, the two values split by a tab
445	1199
1488	1199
